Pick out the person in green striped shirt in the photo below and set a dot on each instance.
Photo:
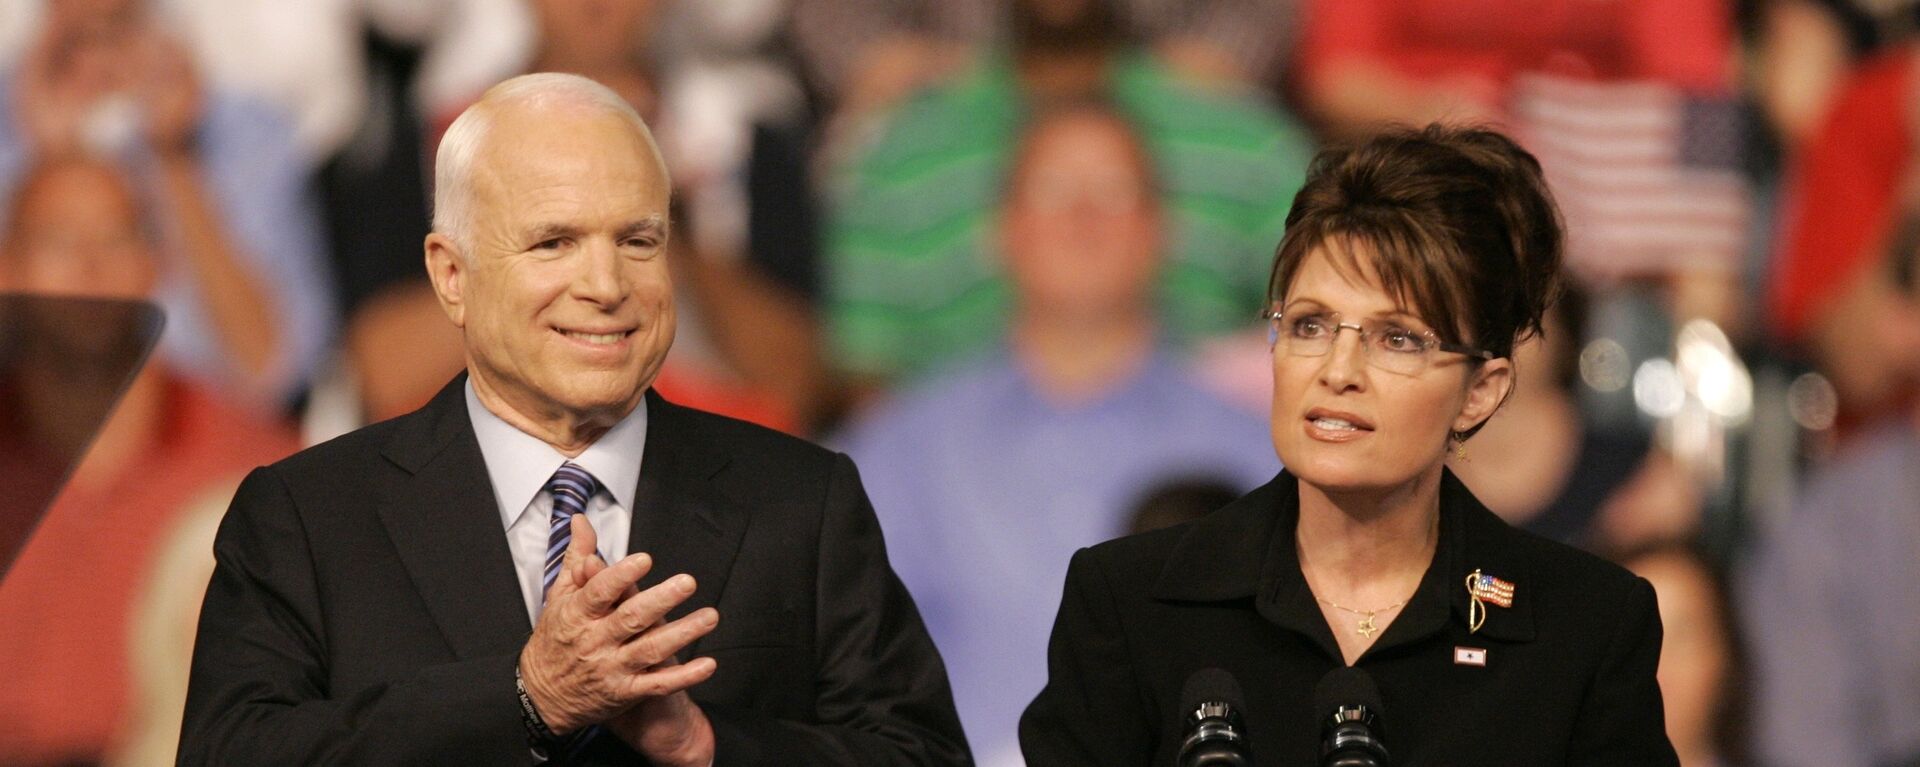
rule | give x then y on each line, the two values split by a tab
913	281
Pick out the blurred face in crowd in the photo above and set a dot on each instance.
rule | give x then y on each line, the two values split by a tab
1345	425
93	14
562	294
93	66
1867	342
593	30
75	229
91	38
1081	228
1693	648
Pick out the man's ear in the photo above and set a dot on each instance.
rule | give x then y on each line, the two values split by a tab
1488	388
447	271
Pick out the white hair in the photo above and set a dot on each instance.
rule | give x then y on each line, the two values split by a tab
453	161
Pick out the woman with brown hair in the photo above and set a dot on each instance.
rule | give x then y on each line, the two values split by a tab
1438	249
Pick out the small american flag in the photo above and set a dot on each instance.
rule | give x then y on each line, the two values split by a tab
1491	589
1648	175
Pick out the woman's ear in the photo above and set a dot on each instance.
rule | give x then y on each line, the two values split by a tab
1486	390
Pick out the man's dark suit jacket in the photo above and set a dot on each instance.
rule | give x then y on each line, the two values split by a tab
364	608
1568	676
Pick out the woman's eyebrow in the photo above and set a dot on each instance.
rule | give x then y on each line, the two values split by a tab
1314	303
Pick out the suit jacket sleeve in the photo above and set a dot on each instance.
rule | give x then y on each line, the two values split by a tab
1090	712
258	690
883	697
1622	720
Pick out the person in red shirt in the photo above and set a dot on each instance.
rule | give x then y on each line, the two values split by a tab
1628	104
77	228
1851	191
1365	62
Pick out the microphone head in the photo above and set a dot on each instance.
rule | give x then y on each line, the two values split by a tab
1346	686
1215	735
1210	685
1349	706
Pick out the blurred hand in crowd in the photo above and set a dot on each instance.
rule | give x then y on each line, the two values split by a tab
103	78
99	80
168	91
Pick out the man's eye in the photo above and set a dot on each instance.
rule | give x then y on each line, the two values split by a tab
550	244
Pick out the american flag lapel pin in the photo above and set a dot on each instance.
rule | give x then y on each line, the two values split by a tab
1482	589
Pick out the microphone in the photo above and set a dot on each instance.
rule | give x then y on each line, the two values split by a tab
1216	735
1350	729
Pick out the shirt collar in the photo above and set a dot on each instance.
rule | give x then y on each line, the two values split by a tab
519	464
1246	549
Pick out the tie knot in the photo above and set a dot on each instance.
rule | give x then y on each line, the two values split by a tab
571	486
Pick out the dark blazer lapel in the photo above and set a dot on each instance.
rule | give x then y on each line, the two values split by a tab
445	523
681	515
1490	545
1470	537
1245	549
1220	557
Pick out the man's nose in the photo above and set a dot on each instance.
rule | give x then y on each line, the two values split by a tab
601	279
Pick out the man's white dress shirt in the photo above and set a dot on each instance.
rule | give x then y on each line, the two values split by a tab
519	465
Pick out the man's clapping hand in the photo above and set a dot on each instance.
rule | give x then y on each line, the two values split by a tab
602	653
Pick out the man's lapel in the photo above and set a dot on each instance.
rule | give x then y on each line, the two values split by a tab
681	515
445	524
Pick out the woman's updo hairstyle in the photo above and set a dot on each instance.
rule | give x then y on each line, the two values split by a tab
1456	221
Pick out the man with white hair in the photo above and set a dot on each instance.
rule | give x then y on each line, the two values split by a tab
363	609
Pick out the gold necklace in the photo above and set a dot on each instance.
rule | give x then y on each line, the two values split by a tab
1366	627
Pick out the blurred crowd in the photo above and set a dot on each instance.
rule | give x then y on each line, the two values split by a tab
1010	255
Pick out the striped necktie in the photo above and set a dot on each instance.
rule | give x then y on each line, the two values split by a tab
571	486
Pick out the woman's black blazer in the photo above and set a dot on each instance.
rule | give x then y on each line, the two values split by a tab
1568	674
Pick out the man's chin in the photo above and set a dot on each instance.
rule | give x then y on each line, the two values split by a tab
615	400
572	394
